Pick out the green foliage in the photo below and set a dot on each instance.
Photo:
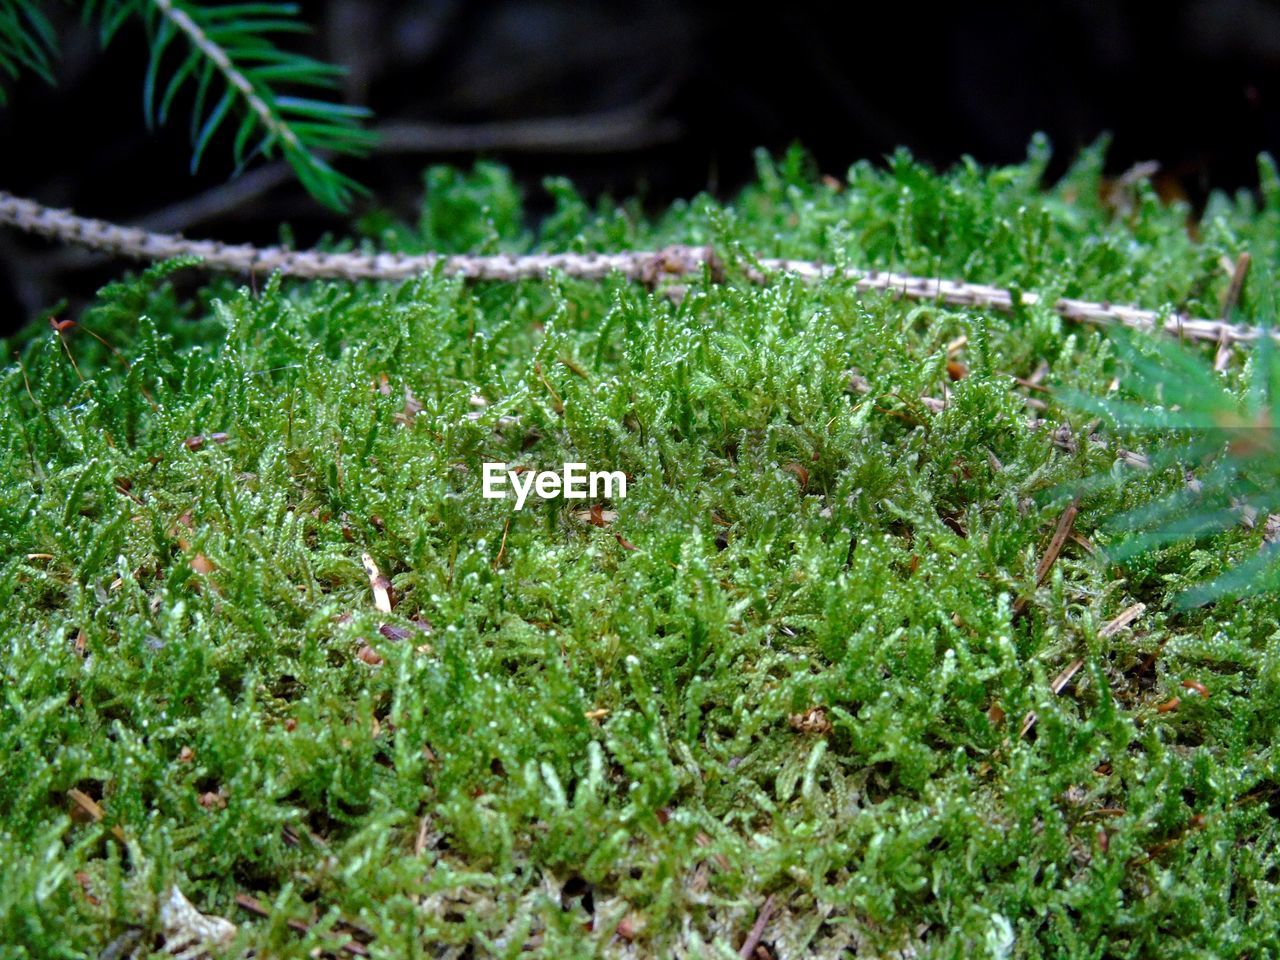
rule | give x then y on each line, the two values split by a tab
225	56
1218	444
26	41
791	664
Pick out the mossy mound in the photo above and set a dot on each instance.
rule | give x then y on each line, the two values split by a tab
792	662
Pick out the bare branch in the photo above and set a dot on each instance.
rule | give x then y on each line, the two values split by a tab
644	266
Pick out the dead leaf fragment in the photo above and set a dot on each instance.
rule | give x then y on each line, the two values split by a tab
188	933
1132	458
801	474
412	407
379	584
597	516
857	383
1197	686
395	633
198	441
811	721
213	800
629	927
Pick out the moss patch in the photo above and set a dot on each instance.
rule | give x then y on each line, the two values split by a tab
791	662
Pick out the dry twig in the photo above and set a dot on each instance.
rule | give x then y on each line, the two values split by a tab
140	244
757	931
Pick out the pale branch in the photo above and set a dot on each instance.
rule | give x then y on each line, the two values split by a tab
645	266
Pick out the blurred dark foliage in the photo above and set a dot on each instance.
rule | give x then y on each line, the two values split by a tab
659	99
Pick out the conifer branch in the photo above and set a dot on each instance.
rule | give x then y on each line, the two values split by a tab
27	42
228	61
231	41
1226	448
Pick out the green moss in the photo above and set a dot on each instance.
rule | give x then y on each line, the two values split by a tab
629	707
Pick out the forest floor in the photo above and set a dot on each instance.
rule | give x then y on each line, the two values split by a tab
825	680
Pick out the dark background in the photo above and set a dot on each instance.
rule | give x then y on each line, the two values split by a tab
659	99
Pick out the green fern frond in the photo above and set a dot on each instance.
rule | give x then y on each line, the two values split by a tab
27	42
1226	443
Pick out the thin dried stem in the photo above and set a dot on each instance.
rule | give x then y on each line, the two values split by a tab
645	266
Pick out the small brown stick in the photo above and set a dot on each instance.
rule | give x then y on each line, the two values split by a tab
753	938
1028	722
1197	686
93	810
1232	295
1197	822
1059	540
1060	536
1222	358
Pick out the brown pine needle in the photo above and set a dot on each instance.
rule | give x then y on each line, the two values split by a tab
502	547
753	938
1059	684
1122	620
1060	537
1238	275
93	810
1061	680
67	350
1059	540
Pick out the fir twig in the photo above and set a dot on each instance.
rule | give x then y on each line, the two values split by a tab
229	63
1226	446
27	42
